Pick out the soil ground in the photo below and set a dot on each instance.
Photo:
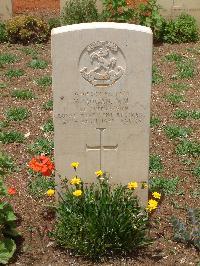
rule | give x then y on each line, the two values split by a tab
34	220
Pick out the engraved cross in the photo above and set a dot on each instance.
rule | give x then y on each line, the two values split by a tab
101	147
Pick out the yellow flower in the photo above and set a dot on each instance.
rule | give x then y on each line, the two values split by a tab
144	185
77	193
99	173
75	165
75	181
156	195
132	185
50	192
152	205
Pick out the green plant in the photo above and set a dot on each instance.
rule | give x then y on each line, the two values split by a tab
38	64
174	98
8	58
168	186
48	126
8	231
3	124
157	78
182	29
39	186
174	57
22	94
154	121
11	136
179	86
196	171
17	113
48	105
79	11
41	145
6	164
54	22
194	114
188	233
44	81
173	131
188	147
30	51
180	113
14	73
98	220
2	85
186	69
194	50
147	14
27	29
3	32
155	164
195	193
117	11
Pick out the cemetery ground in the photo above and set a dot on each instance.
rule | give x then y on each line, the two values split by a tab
26	129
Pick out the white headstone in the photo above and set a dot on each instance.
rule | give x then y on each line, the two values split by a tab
5	9
102	88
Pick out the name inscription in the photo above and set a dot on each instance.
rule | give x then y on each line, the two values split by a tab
102	107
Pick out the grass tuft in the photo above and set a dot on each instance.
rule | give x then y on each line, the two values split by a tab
17	114
11	137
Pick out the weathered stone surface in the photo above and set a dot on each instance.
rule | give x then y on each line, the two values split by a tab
5	9
102	87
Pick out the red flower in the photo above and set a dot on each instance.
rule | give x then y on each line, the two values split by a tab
42	164
11	191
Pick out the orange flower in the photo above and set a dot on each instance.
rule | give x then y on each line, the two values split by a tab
11	191
42	164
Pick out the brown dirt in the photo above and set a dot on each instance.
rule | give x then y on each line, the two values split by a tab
34	220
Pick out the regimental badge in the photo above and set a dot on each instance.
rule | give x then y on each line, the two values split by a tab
102	63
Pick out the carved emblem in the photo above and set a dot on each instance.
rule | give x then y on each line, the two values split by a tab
101	64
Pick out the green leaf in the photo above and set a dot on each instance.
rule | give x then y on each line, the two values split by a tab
10	216
7	249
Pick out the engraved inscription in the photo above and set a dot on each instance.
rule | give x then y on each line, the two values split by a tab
103	108
102	63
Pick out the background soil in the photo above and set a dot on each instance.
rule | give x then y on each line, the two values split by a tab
35	221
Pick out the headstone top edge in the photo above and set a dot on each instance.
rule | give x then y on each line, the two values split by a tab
101	25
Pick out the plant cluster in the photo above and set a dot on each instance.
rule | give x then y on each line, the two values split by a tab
188	233
11	136
167	186
96	220
22	94
3	32
6	164
17	114
183	114
147	14
14	73
188	147
79	11
173	131
182	29
155	164
117	11
41	145
27	29
8	231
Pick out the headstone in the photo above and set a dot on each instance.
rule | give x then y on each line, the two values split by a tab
102	89
5	9
174	8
